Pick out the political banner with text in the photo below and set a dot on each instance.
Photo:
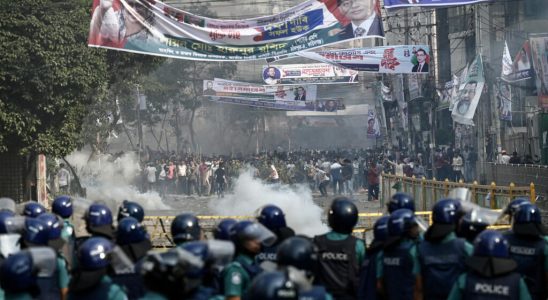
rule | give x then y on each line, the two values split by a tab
323	105
519	69
390	59
230	88
298	74
156	28
469	93
539	51
431	3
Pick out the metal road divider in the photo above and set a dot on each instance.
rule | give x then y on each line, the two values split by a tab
159	226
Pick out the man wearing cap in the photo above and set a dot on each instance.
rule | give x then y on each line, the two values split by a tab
503	158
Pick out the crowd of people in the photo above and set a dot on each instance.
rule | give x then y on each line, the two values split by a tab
456	257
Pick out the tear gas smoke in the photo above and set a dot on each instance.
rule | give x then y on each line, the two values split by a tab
112	181
301	213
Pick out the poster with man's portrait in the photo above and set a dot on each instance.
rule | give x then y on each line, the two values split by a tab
373	129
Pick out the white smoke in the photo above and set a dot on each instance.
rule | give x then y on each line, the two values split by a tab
112	181
301	213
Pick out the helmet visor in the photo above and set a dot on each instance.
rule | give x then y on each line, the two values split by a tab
7	204
9	244
480	214
220	252
461	194
15	224
44	259
257	231
120	262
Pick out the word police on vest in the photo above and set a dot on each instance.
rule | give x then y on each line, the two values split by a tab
522	250
334	256
485	288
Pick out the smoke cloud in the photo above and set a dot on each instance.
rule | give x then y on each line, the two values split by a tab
301	213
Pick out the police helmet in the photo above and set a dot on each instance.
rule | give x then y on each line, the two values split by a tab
528	221
298	252
380	229
130	231
515	204
222	231
342	215
401	200
200	250
131	209
185	227
33	209
272	286
469	228
62	206
446	211
54	227
400	222
94	253
247	230
5	214
272	217
98	219
36	232
491	243
17	274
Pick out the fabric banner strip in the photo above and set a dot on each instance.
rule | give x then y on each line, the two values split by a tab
308	73
155	28
431	3
230	88
469	93
519	69
327	105
391	59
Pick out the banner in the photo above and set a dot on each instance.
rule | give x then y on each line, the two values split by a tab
386	93
373	125
326	105
455	91
155	28
469	93
229	88
390	59
418	3
520	68
350	110
539	51
400	98
504	97
308	73
444	95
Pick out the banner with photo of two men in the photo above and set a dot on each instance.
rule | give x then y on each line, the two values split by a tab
155	28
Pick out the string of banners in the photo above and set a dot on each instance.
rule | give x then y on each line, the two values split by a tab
155	28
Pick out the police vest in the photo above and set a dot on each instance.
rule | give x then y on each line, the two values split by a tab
131	283
251	269
338	266
399	281
317	292
483	288
267	254
100	291
441	265
529	255
49	286
367	287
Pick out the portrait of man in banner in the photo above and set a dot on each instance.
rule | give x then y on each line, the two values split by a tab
422	60
363	16
466	96
208	88
272	75
300	94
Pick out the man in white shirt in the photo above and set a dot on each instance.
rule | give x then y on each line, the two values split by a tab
151	176
64	179
504	158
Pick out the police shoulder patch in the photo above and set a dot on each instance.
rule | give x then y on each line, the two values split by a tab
236	278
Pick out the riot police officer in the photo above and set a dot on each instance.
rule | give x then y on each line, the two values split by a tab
247	237
340	252
185	228
400	200
529	248
132	238
367	288
222	230
514	206
131	209
442	254
62	206
300	253
273	218
469	228
98	218
90	280
491	272
275	285
399	271
18	273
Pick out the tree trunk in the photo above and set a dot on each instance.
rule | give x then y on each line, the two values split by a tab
191	129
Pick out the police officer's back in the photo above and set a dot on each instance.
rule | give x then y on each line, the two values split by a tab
273	218
340	253
368	271
398	269
529	249
62	206
491	272
185	228
442	254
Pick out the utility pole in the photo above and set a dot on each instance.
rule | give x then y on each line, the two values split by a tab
139	127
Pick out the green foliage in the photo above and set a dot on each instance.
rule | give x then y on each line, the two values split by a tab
47	74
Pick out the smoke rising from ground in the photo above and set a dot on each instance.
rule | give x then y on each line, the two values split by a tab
112	181
301	213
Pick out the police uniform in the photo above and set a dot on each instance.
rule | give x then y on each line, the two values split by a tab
238	274
315	293
441	263
399	266
471	286
50	287
531	256
368	276
105	289
267	254
340	256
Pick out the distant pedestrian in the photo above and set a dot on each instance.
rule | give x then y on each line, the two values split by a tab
64	179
